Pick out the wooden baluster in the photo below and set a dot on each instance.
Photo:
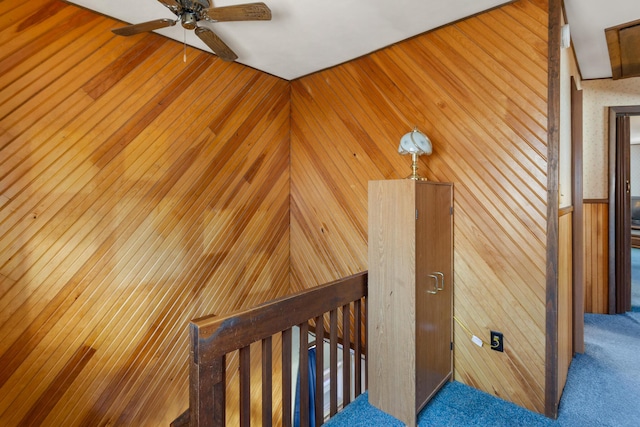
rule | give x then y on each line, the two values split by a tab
357	348
333	360
207	387
319	371
267	383
346	355
245	386
303	368
366	346
286	377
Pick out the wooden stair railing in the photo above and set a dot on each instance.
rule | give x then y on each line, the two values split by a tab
212	338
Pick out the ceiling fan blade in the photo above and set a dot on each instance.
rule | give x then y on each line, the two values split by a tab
240	12
172	5
131	30
216	44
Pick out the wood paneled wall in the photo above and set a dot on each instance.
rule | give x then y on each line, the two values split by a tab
596	257
136	192
478	89
565	297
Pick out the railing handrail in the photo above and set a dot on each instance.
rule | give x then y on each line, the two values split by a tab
242	328
213	337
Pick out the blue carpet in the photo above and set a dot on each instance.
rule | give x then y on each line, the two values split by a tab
603	386
460	405
455	405
602	390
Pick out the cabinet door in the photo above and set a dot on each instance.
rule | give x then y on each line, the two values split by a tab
433	289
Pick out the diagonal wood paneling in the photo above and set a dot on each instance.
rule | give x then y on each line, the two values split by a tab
478	89
136	192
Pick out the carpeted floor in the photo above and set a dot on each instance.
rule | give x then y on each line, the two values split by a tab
455	405
602	390
603	387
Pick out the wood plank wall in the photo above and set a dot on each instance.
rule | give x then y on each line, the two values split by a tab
565	297
136	192
596	256
478	89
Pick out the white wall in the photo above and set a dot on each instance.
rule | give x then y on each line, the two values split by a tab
635	170
635	156
567	69
598	95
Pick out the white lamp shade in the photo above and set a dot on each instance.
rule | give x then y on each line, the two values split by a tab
415	142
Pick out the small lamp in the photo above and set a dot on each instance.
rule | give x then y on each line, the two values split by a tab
415	143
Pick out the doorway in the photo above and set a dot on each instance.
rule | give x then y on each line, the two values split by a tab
623	122
634	171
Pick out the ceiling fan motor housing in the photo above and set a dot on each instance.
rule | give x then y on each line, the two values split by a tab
191	12
194	5
206	4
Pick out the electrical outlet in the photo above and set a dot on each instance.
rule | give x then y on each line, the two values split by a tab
497	341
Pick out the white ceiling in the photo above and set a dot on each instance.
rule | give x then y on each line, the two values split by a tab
305	36
588	19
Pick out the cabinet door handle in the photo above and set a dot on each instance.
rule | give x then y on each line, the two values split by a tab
435	284
441	275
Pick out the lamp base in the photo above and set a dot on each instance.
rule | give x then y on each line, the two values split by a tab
417	178
414	169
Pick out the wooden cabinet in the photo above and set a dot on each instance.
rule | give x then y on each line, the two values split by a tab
410	294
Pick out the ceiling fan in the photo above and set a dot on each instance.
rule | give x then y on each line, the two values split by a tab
190	12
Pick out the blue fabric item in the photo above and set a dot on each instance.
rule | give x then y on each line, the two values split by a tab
311	392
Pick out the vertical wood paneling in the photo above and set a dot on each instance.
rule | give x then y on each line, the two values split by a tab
565	298
478	89
136	192
596	257
554	342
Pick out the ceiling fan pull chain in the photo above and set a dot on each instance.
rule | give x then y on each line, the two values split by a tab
184	54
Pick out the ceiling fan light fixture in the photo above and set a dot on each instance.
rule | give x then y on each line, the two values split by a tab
188	20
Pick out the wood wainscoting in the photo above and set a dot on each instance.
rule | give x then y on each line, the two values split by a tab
565	296
596	256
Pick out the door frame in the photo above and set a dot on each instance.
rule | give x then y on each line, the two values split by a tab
619	208
578	225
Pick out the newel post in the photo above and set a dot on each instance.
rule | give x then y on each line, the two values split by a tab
206	384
